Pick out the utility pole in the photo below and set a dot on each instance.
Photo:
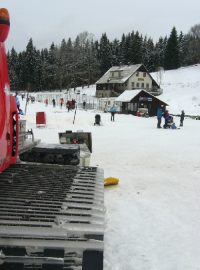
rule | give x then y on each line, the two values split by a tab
75	114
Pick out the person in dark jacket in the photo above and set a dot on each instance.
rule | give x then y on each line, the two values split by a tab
84	104
159	117
166	117
182	118
54	102
73	103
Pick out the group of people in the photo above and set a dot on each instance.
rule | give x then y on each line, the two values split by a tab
70	104
169	123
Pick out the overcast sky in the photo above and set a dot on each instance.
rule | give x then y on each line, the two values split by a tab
47	21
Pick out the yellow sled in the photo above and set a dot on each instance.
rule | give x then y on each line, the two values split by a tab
111	181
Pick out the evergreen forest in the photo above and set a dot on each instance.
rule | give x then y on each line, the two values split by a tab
83	61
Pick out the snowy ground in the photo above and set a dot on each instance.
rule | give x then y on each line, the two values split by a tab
152	218
181	89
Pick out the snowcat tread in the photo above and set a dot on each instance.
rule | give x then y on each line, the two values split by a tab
51	217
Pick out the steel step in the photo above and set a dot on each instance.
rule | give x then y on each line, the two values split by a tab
53	154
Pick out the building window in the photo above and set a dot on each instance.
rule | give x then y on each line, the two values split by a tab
147	85
142	85
144	74
116	74
134	107
137	73
133	85
130	106
138	85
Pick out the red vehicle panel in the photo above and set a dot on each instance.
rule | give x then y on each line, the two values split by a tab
8	108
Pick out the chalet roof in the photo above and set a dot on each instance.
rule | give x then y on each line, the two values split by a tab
128	95
127	71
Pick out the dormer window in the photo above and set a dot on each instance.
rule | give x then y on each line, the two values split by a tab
144	74
119	73
116	74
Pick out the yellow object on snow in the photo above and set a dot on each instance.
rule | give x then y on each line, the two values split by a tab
111	181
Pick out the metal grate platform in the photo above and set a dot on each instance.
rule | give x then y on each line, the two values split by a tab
51	217
53	154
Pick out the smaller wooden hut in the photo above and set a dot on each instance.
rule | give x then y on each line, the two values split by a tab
131	101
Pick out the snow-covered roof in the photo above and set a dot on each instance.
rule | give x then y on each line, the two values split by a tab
128	95
126	72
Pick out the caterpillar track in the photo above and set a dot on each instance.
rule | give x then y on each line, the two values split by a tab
51	217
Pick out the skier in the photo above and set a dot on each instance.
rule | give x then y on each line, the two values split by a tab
54	102
17	101
61	102
113	110
68	105
73	103
46	101
182	118
159	117
18	104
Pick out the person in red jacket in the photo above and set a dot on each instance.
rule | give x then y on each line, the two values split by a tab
61	102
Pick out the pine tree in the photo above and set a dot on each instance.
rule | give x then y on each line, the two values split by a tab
44	69
148	54
30	61
61	65
105	54
21	66
172	58
123	51
160	48
192	45
115	48
52	67
13	62
136	48
38	71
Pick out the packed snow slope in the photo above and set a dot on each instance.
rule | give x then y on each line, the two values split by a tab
152	217
181	89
